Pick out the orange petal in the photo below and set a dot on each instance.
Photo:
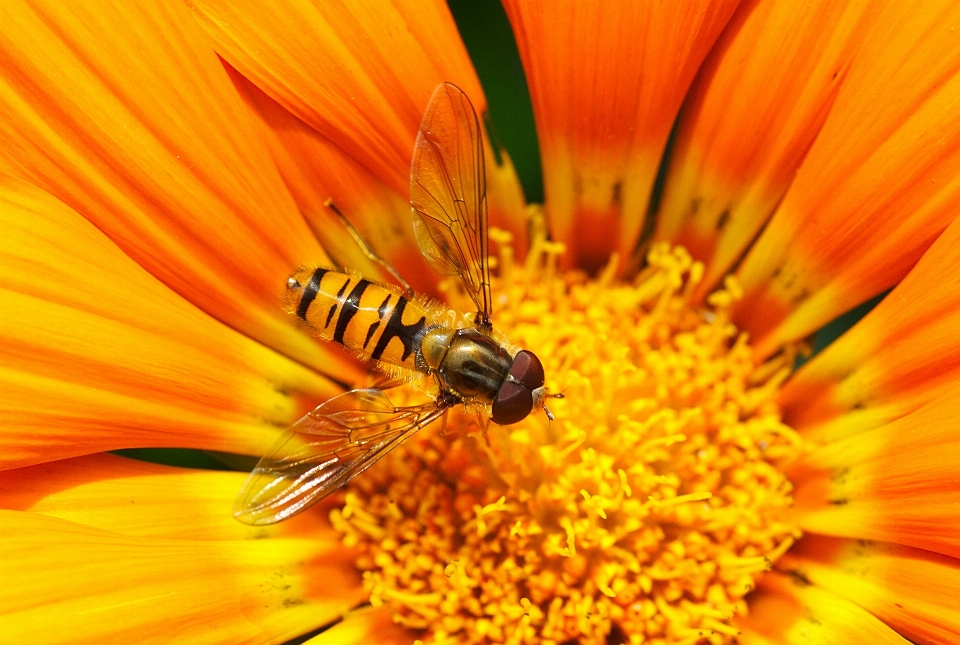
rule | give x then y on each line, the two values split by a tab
96	354
788	612
141	499
367	625
913	591
361	75
880	183
68	582
896	483
316	171
751	116
901	355
606	81
126	115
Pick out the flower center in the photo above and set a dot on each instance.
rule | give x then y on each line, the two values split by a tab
646	510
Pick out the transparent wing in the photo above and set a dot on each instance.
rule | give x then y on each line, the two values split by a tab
325	449
448	192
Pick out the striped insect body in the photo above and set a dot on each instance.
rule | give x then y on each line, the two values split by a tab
375	321
470	364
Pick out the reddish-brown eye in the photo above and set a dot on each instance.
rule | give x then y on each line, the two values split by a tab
527	369
513	403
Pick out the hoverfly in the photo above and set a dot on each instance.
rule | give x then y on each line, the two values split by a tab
346	435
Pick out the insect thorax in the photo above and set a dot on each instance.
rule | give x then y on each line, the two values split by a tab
474	365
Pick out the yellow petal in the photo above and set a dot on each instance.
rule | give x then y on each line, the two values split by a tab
913	591
751	116
96	354
903	354
141	499
361	75
896	483
787	612
124	113
878	186
68	582
606	81
363	626
316	171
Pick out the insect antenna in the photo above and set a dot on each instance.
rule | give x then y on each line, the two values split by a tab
546	410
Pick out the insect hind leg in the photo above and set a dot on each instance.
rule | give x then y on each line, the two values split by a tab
408	291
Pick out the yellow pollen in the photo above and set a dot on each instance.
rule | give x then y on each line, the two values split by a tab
644	513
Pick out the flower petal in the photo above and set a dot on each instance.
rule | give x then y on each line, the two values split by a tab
901	355
97	354
125	114
602	131
880	183
913	591
896	483
141	499
68	582
367	625
316	171
751	116
360	74
788	612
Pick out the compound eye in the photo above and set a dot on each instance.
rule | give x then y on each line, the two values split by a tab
513	403
527	369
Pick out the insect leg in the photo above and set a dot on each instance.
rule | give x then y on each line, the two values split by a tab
370	253
386	382
443	425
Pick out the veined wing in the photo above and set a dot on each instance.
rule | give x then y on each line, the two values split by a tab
324	450
448	192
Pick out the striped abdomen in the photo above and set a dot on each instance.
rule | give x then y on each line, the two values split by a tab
371	319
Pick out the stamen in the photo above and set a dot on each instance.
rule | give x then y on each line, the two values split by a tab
646	502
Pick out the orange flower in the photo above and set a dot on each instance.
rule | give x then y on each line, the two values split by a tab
721	180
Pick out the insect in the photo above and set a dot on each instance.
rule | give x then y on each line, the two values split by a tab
344	436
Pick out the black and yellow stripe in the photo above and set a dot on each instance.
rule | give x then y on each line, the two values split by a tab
371	319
